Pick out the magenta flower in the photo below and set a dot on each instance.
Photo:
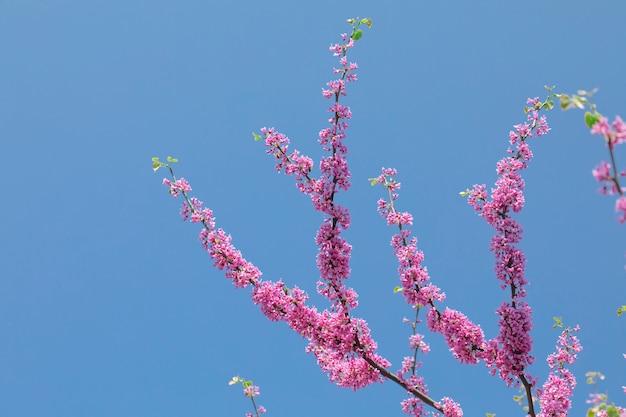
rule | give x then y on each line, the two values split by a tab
602	172
620	207
509	353
601	127
555	395
613	135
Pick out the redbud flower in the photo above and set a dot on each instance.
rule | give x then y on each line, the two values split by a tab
620	207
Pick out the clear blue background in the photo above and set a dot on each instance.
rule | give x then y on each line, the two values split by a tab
108	305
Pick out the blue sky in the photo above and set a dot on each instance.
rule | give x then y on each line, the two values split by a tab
109	306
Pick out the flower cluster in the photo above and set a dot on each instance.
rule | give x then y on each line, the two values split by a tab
341	343
555	395
613	134
332	334
509	353
251	391
464	338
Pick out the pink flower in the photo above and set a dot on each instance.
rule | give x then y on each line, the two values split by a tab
601	127
464	338
416	342
451	408
602	172
178	186
620	207
251	391
555	395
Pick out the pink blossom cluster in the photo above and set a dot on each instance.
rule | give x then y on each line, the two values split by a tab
251	391
509	352
450	408
177	186
613	134
341	343
464	338
555	395
407	375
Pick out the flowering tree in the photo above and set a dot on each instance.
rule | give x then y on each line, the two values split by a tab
342	343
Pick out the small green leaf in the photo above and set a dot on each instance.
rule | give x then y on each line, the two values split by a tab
579	102
234	381
367	21
397	289
257	137
612	411
465	193
357	34
591	119
621	311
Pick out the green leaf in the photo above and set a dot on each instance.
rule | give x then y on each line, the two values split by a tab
612	411
357	34
621	311
397	289
591	119
257	137
564	101
367	21
156	164
579	102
